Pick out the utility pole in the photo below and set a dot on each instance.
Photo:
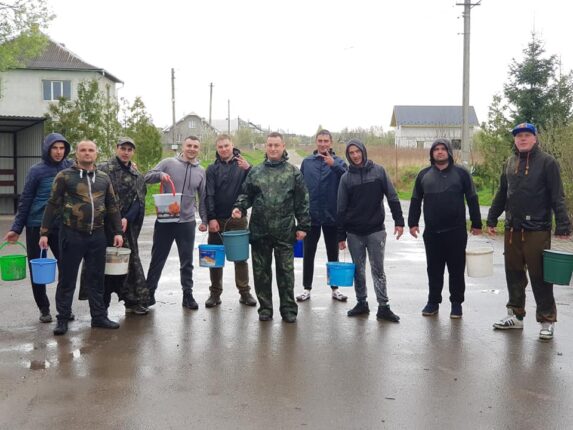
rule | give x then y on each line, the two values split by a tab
229	117
466	144
173	143
210	100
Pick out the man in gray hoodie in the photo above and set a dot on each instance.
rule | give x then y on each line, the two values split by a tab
189	180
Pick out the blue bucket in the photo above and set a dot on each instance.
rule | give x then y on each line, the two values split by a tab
299	249
236	245
340	274
212	256
43	269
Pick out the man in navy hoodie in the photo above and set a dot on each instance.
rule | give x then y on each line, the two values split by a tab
443	187
31	204
360	218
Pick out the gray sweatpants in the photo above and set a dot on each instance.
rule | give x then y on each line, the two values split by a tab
373	243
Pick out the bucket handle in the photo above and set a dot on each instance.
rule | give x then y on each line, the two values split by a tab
10	243
170	183
44	253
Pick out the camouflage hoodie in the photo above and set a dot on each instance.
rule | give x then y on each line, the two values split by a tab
84	199
278	195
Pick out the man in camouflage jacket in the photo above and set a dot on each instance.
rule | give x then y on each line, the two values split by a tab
129	186
278	195
84	198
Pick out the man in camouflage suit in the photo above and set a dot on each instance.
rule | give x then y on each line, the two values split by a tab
84	198
278	195
129	186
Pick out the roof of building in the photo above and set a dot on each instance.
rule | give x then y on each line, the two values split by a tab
57	57
431	116
13	123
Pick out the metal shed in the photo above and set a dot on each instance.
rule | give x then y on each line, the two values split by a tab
20	148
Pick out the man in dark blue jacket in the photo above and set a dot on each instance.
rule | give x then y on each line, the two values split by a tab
322	172
443	186
31	204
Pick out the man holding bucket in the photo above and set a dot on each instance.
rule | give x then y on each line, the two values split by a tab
84	198
225	178
360	218
130	189
276	191
188	177
442	187
31	204
322	172
530	191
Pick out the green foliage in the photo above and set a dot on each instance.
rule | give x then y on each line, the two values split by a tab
138	126
21	38
246	138
374	135
93	115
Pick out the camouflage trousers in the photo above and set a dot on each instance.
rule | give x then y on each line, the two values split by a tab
262	251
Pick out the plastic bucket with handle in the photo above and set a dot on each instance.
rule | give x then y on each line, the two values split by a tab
167	205
236	244
12	267
340	274
212	256
557	266
116	260
43	268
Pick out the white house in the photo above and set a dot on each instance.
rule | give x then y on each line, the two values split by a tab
419	126
25	94
55	73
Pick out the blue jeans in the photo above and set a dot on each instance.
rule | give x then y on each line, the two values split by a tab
374	244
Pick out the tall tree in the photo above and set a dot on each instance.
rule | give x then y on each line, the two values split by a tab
534	92
21	25
138	125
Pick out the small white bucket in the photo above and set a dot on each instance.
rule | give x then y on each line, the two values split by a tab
479	262
167	207
116	260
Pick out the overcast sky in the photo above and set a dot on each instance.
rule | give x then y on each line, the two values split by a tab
297	64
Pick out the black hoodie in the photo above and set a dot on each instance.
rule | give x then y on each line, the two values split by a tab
361	192
443	193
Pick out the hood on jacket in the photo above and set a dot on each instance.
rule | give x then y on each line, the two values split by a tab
448	146
359	145
236	153
49	140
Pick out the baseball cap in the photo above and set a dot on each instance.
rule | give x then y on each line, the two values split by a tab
524	127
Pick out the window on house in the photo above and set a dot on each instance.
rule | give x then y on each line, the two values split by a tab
456	144
420	144
192	123
55	90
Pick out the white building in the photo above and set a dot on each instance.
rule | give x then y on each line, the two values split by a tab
419	126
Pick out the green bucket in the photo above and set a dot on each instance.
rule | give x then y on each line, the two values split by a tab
12	267
557	267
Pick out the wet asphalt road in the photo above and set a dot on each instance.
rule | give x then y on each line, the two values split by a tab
222	368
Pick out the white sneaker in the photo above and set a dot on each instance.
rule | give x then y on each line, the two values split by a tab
510	321
337	295
546	332
304	296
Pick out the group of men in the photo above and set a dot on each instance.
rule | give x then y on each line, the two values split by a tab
345	203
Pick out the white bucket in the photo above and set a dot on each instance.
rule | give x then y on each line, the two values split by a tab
168	207
479	262
116	260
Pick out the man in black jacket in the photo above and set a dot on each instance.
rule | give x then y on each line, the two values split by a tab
360	218
443	186
530	191
225	178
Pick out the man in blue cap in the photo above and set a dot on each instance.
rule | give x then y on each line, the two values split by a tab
530	191
31	205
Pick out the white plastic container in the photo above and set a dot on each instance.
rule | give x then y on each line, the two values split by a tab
116	260
167	207
479	262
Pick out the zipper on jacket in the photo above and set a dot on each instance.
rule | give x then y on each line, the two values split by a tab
91	200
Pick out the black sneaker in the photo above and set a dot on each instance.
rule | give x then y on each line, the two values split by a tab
247	299
61	328
385	313
45	317
136	309
361	308
290	318
265	317
456	312
189	302
431	309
